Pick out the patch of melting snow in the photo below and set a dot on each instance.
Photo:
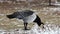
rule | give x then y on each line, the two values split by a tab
51	9
48	29
2	14
1	18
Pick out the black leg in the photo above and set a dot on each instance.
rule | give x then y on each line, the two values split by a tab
25	26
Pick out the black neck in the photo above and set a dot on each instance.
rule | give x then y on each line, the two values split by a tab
38	20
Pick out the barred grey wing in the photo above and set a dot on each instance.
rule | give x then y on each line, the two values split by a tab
23	14
27	13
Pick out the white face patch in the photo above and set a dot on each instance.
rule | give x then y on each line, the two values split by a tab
30	18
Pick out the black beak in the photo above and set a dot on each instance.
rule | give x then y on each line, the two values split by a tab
42	23
38	21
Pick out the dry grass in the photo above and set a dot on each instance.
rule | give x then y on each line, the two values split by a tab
46	16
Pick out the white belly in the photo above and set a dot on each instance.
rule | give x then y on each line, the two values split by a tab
30	18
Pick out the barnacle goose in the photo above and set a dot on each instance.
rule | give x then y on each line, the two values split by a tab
27	16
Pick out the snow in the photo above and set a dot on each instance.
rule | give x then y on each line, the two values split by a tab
48	29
